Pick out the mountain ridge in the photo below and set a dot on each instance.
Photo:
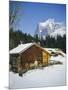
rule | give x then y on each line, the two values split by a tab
50	27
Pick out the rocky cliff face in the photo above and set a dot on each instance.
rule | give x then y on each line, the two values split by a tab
51	28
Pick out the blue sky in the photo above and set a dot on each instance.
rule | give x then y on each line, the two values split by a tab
30	14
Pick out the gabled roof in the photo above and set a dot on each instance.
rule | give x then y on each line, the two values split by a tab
20	48
23	47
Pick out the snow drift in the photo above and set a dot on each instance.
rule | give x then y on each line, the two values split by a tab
53	75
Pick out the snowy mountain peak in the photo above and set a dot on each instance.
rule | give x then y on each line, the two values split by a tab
57	32
50	27
47	24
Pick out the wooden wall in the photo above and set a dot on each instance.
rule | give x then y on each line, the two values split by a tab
46	57
33	54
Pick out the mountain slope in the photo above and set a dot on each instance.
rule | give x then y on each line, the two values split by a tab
50	27
57	32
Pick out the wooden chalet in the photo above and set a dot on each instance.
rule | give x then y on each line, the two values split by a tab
26	55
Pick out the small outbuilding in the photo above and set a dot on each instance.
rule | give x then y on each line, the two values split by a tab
29	54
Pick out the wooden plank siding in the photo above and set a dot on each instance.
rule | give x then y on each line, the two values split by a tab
45	57
33	54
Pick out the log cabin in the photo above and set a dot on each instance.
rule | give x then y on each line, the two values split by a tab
28	55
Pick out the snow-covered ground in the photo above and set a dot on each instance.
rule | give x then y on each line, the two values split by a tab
53	75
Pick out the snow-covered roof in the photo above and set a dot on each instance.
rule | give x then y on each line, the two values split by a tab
22	47
55	50
51	49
